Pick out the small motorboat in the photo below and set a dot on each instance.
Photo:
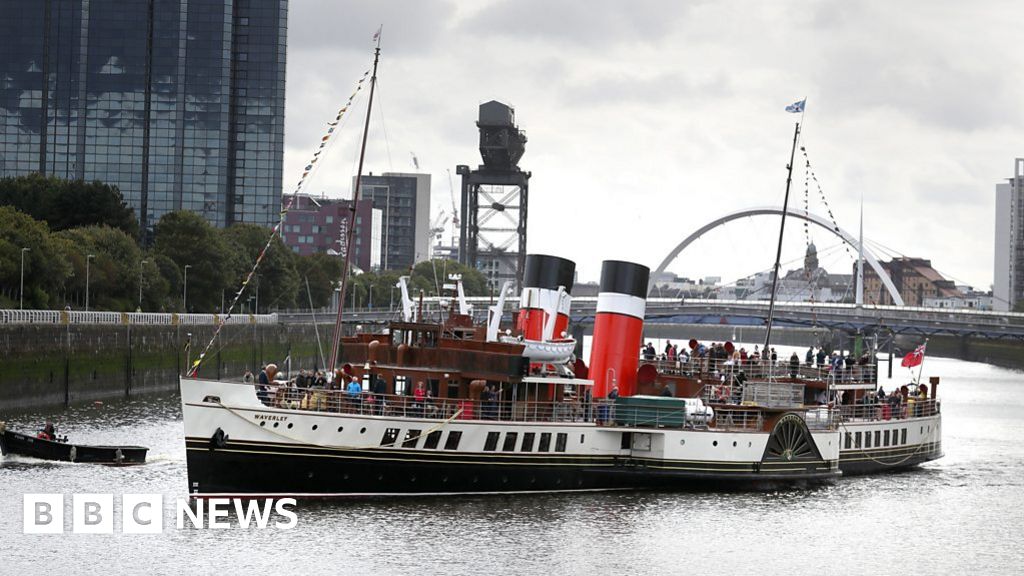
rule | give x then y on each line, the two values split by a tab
12	442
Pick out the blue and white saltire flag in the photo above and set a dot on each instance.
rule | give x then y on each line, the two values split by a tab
796	107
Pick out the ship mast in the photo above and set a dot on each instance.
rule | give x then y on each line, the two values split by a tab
350	240
778	253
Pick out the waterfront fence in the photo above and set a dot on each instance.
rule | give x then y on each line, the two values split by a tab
64	317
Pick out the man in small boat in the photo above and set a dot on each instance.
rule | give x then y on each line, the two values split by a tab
49	432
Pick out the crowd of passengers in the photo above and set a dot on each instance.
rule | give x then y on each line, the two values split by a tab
723	359
907	401
315	390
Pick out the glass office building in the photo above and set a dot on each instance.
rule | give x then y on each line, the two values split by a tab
180	103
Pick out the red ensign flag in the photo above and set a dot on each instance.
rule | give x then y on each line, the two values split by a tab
914	358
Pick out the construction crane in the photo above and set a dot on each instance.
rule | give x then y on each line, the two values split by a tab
455	210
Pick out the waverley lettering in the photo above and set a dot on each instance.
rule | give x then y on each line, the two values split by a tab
270	417
144	514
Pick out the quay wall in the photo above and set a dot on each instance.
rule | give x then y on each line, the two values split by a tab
52	365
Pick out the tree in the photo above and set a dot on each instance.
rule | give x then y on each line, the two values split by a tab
432	274
65	204
277	279
323	272
113	273
186	238
46	267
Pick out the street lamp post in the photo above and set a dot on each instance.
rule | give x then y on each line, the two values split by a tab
88	259
141	263
184	290
21	291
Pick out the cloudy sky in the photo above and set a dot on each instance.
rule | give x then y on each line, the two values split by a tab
648	119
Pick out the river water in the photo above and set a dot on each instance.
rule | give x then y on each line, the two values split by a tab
963	513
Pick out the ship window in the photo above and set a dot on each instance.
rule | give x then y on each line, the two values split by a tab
401	385
560	442
627	440
867	439
510	442
856	440
492	441
527	442
545	442
878	438
390	435
903	436
434	386
453	389
583	437
433	439
886	438
411	438
849	439
452	443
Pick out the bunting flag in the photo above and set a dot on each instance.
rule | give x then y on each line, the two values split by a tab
222	320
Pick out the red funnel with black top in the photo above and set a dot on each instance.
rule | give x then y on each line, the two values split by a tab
618	327
542	277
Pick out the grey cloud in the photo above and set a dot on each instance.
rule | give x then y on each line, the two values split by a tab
587	23
410	26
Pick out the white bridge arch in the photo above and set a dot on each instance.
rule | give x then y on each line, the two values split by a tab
770	211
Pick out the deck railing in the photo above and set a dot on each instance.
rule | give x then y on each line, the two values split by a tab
601	411
908	408
706	368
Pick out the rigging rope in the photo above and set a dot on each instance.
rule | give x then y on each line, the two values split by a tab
310	167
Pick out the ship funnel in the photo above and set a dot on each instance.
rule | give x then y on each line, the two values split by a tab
618	327
547	283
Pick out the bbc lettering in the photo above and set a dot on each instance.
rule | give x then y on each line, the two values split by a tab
144	513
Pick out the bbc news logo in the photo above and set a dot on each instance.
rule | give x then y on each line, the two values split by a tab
144	513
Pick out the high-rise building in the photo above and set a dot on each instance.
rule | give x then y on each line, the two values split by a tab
179	103
1008	285
318	225
405	202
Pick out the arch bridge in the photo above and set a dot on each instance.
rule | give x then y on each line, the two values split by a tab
773	211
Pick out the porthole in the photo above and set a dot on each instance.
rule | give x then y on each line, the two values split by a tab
749	444
412	479
362	430
309	474
290	425
380	476
475	479
504	479
315	426
340	428
344	476
715	443
263	423
682	441
733	443
444	479
276	424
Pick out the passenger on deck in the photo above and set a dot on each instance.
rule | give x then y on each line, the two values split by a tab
794	364
809	357
419	398
354	391
263	384
379	390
